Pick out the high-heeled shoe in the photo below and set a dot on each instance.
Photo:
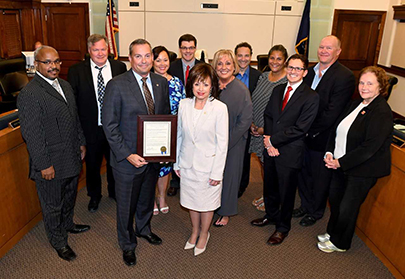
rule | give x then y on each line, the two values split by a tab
189	245
198	251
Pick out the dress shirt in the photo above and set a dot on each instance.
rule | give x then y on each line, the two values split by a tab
245	77
50	81
185	64
317	79
107	75
148	83
294	87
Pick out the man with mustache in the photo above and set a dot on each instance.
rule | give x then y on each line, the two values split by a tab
51	129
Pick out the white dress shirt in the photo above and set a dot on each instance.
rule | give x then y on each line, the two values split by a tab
107	75
51	81
148	83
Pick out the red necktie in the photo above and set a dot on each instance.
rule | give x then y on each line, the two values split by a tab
187	72
287	95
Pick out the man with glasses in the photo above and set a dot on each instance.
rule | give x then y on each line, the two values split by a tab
89	79
287	118
334	84
55	141
181	68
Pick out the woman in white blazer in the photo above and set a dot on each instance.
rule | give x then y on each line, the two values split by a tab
202	144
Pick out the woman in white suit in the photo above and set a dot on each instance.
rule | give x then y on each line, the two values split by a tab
202	144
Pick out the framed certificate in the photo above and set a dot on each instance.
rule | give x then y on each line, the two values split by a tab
157	137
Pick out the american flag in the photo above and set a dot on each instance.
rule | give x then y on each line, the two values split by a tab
111	27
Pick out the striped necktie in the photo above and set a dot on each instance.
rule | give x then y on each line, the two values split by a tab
148	96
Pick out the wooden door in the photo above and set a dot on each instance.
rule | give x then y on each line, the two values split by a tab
10	34
361	34
66	28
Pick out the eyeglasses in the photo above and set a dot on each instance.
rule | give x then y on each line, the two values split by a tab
187	48
298	69
48	63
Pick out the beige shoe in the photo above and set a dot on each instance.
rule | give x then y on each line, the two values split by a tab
257	201
189	245
261	207
198	251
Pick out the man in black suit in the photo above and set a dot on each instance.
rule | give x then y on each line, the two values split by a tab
88	80
51	129
181	68
249	76
334	84
287	118
136	92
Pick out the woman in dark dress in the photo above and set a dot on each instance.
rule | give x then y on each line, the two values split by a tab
236	96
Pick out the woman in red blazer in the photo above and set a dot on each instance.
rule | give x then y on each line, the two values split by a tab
359	153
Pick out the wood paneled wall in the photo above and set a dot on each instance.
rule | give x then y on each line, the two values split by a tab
381	223
20	209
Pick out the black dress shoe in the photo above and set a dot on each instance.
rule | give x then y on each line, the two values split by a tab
172	191
79	229
93	204
66	253
151	238
277	238
299	212
129	257
307	221
261	222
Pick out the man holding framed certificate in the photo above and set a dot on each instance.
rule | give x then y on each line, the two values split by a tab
136	92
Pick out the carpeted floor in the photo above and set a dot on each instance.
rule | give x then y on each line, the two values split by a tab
235	251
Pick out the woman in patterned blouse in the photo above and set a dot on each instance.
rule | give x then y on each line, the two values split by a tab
161	65
260	97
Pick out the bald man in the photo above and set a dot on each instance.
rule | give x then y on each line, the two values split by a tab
51	129
334	84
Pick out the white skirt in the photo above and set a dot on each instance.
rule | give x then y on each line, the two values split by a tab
196	193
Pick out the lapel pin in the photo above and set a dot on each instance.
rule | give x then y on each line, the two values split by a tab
157	84
363	112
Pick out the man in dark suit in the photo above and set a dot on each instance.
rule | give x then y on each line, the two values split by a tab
249	76
88	80
287	118
51	128
136	92
334	84
181	68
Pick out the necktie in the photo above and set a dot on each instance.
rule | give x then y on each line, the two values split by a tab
187	72
287	95
100	87
148	97
55	85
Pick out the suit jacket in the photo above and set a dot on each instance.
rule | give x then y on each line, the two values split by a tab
253	79
205	147
368	140
51	128
288	128
176	69
81	79
123	102
334	90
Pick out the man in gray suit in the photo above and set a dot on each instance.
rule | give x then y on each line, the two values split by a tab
50	126
136	92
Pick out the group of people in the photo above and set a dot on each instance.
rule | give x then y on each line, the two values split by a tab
298	120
